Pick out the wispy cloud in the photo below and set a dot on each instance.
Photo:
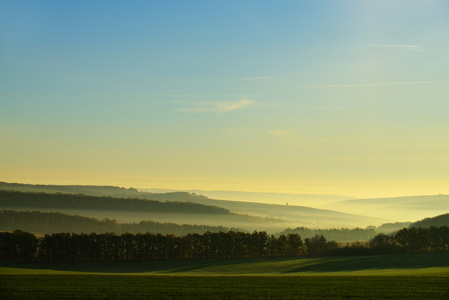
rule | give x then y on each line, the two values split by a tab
367	84
219	106
405	47
256	78
332	108
198	96
279	132
229	106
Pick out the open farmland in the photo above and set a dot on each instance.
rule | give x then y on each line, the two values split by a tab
424	264
419	276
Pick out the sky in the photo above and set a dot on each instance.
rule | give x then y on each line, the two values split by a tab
316	97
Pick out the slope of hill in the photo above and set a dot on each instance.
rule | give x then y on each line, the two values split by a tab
100	191
16	199
54	222
438	221
302	215
388	228
398	209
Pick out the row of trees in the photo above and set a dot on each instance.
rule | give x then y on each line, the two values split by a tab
64	247
336	234
432	239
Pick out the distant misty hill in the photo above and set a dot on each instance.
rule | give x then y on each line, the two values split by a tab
398	208
274	198
247	215
388	228
301	215
93	190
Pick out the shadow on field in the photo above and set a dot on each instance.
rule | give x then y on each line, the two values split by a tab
377	262
161	267
251	265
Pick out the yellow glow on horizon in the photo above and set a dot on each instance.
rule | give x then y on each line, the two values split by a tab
357	188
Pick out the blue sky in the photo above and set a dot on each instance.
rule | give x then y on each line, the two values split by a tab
341	97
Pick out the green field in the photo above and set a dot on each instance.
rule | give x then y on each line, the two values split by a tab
418	276
424	264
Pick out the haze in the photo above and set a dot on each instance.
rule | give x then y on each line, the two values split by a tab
303	97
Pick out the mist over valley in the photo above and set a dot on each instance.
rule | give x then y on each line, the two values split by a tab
185	208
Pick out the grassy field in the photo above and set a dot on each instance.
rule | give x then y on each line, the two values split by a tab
425	264
417	276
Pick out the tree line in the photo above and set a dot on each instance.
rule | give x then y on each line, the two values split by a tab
52	222
413	240
336	234
78	201
71	247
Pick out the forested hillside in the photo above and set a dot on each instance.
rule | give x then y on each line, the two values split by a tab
13	199
441	220
53	222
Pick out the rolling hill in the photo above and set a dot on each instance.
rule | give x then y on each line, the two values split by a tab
259	197
247	215
398	208
306	216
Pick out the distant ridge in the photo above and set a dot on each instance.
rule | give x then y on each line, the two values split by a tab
262	197
99	191
416	200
